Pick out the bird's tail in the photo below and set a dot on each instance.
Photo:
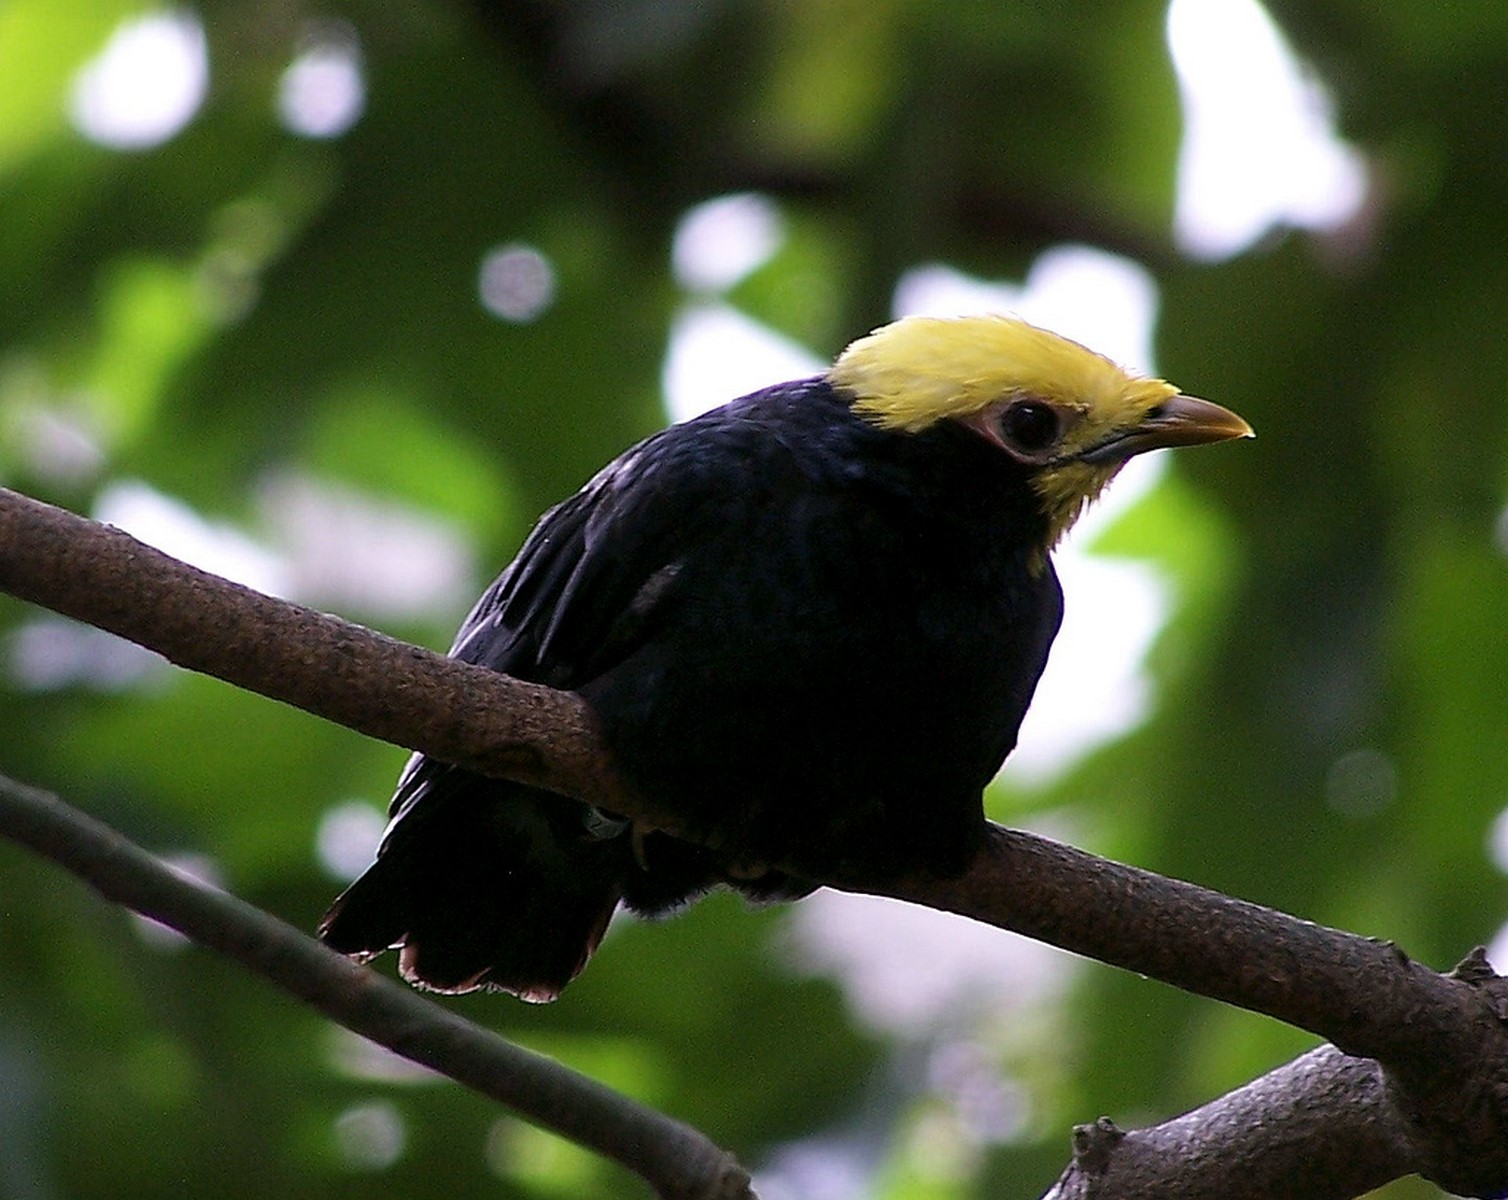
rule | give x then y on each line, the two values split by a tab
485	884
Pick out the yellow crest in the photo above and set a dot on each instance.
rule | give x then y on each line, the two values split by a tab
909	375
919	370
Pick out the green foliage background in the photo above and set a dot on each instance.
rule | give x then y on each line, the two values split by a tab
240	303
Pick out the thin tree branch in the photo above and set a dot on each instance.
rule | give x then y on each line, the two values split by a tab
676	1160
1439	1039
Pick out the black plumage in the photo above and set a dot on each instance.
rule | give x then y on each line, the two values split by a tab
809	623
811	637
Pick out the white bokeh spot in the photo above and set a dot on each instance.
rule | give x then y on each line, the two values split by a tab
145	85
173	527
347	839
717	353
909	970
323	91
720	241
1105	301
1259	144
516	283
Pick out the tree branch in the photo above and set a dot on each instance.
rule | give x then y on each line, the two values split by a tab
675	1159
1365	995
1443	1042
1322	1126
332	668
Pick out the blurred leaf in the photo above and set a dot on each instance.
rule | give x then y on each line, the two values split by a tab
388	444
42	43
150	321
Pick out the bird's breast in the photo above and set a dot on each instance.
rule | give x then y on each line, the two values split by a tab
834	683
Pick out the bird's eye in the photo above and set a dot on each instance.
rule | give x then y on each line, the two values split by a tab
1030	425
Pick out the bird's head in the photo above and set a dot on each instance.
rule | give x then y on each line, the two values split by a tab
1070	416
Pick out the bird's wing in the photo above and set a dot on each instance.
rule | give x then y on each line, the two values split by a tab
591	583
483	881
595	576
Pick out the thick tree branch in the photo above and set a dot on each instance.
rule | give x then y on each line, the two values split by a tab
1326	1126
366	681
1442	1045
1322	1126
675	1159
1366	996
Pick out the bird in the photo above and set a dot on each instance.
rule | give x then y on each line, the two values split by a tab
808	623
